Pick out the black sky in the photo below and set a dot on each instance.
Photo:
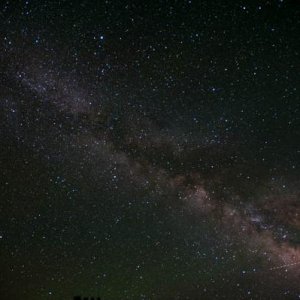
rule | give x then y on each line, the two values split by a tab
149	150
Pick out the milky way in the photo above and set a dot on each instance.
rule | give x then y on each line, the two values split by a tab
149	152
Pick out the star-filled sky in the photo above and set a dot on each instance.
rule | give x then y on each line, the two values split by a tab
149	149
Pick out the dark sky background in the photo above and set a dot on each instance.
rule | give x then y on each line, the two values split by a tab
149	150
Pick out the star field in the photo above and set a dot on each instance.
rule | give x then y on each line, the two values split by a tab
149	150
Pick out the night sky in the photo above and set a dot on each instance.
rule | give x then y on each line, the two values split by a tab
149	149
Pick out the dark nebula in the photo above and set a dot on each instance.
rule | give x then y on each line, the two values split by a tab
149	150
